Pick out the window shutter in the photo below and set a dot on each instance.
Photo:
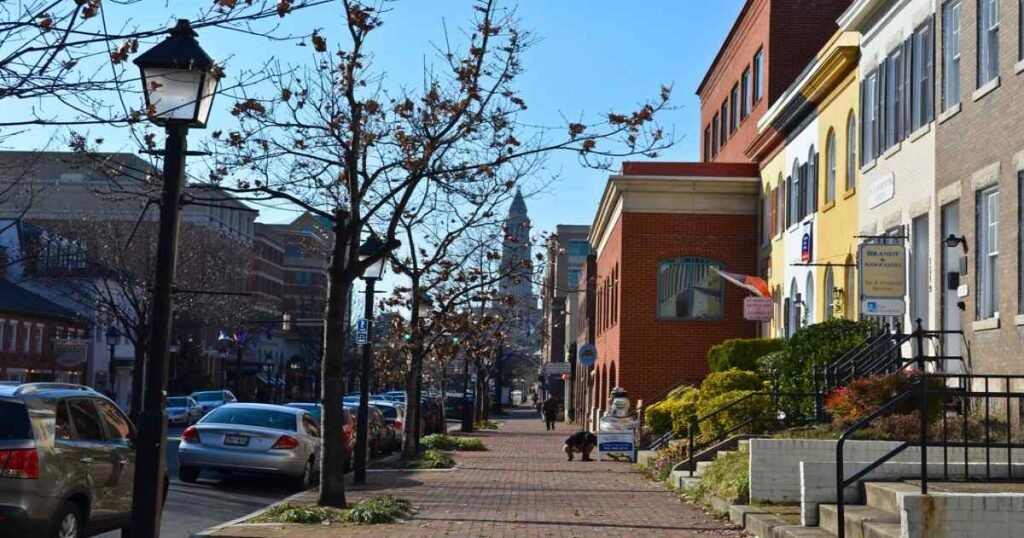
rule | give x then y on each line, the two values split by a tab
929	50
816	173
773	211
879	106
863	124
907	104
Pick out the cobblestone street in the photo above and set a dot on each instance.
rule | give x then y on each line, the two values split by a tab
523	487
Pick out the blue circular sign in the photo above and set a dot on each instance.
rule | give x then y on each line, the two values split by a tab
587	355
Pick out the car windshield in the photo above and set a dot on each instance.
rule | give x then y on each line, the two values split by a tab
177	402
15	422
209	396
263	418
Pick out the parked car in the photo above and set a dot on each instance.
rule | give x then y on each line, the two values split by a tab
380	438
394	417
183	410
395	396
212	399
67	471
432	415
253	437
348	428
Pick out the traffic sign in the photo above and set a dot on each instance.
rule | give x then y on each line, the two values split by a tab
587	355
362	332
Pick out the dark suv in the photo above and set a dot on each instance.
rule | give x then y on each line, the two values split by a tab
67	462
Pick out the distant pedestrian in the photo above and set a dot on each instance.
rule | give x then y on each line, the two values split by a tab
550	409
582	442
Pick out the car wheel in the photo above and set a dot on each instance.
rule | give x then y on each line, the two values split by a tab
188	474
305	480
68	523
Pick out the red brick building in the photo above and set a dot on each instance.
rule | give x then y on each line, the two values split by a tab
661	231
30	326
768	46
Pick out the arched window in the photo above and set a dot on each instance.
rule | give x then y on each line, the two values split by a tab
826	294
781	198
792	309
689	288
851	151
830	166
808	315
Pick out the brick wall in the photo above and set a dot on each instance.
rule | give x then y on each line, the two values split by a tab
977	147
651	355
798	30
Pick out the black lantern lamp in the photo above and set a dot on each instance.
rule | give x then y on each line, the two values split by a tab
179	79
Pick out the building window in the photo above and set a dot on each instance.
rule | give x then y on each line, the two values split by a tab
987	254
707	143
826	293
921	77
39	338
869	106
851	152
791	206
781	199
758	74
766	214
894	84
26	344
745	90
725	124
830	166
798	194
734	112
1020	245
988	41
714	136
851	300
578	248
811	177
951	53
574	279
689	288
1020	29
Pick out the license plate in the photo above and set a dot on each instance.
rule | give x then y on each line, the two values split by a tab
236	440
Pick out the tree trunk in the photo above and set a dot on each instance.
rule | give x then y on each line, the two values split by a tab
138	376
332	477
412	410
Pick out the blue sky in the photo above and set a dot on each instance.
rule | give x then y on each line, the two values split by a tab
592	56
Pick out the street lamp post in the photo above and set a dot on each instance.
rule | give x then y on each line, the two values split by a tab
113	336
371	275
179	81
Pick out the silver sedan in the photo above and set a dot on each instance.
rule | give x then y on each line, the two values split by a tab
252	437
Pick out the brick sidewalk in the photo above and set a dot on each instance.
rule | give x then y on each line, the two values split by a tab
521	487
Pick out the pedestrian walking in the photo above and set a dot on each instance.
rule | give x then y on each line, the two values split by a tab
582	442
550	409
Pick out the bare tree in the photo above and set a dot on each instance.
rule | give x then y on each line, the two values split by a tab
337	140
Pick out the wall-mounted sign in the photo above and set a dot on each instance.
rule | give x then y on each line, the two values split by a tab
883	279
807	245
70	353
758	308
556	368
881	190
587	355
362	332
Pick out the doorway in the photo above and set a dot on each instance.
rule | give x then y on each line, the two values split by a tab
951	343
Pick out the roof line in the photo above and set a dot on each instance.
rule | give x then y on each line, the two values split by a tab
725	44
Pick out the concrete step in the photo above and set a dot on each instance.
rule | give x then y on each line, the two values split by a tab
763	525
743	443
795	531
885	495
861	521
724	453
702	467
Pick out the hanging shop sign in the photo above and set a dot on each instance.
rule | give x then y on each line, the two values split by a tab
883	279
758	308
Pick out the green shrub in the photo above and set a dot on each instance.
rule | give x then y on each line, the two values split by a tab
659	417
293	513
752	406
815	346
377	510
719	383
487	425
741	353
684	412
433	459
442	441
728	477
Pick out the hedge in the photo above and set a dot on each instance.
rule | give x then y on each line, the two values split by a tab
730	380
753	406
741	353
660	417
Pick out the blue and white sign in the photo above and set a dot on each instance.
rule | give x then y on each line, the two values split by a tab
362	332
587	355
616	445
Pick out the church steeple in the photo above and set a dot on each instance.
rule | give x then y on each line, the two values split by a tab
516	262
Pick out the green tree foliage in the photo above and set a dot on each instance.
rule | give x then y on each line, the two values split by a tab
741	353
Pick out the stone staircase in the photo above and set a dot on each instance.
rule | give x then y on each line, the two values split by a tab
879	517
681	474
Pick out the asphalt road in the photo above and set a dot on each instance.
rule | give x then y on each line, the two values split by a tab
215	499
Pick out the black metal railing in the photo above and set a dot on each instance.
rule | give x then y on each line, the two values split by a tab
773	419
979	414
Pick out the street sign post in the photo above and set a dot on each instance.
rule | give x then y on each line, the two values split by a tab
362	332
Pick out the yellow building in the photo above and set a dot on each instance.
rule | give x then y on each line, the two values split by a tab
807	144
